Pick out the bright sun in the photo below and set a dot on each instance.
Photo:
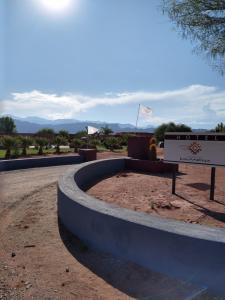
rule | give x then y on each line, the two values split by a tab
56	5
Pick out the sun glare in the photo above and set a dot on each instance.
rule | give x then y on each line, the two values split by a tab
57	6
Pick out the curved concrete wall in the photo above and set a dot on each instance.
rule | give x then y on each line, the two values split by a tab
187	251
25	163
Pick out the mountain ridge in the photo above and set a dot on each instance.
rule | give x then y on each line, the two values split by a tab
33	124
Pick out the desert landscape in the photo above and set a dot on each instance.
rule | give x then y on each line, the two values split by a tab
40	259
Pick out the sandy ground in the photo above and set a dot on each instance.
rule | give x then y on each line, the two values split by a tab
39	259
151	193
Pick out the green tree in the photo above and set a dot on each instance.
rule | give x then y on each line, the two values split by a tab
203	21
77	144
25	142
220	127
47	133
7	125
59	141
112	143
9	143
106	130
80	134
41	142
65	134
170	127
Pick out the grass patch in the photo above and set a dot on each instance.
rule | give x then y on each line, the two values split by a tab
34	152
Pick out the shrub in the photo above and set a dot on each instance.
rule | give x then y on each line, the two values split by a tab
25	142
9	143
170	127
112	143
41	142
80	134
124	139
153	149
153	152
60	140
46	133
105	130
65	134
220	127
93	143
76	144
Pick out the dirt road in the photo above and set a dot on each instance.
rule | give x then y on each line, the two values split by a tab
39	259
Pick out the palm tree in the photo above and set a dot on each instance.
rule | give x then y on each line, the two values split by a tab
9	143
25	142
60	140
41	142
64	133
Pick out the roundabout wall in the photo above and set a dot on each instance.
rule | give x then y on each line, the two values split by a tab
25	163
186	251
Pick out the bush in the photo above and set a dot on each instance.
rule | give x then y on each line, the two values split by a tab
124	139
105	130
25	142
170	127
220	127
65	134
41	142
9	143
80	134
46	133
77	144
153	152
60	140
112	143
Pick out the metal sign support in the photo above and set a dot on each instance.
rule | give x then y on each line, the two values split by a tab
212	187
174	179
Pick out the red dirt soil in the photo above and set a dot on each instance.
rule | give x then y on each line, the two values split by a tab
151	193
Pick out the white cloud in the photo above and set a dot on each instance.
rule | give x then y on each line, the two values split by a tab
195	104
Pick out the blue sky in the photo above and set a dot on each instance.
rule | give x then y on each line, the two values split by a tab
99	60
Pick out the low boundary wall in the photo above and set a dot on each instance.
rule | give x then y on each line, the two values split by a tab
25	163
190	252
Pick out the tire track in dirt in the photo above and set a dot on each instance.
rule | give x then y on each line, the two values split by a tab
7	212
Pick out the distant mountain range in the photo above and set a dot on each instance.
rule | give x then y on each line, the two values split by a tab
33	124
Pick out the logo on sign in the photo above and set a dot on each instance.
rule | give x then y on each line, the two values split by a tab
195	148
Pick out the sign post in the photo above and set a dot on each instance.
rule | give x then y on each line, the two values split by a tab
212	187
203	148
174	180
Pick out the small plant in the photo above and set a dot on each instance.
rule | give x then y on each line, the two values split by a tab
105	130
60	140
25	142
112	143
76	144
9	143
41	142
153	150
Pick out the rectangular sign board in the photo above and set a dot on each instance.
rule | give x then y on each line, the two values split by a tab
205	148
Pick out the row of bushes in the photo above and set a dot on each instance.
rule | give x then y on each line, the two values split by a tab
14	144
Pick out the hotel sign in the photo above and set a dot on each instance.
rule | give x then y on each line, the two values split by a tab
195	148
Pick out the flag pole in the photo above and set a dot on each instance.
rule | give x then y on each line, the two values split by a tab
137	116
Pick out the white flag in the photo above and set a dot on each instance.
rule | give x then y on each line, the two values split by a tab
145	112
92	130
